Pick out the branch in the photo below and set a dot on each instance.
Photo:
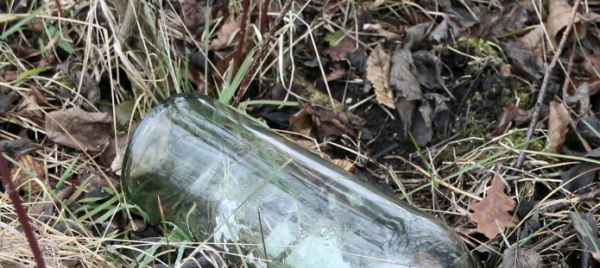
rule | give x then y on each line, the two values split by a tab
246	80
22	215
540	100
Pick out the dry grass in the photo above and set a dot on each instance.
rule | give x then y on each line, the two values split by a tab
146	46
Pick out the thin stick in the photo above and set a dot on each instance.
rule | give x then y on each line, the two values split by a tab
22	215
60	10
256	59
264	20
540	100
238	56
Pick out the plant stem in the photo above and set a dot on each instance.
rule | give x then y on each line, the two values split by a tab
240	49
256	59
21	214
60	9
540	100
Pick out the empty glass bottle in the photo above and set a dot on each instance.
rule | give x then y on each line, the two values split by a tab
229	181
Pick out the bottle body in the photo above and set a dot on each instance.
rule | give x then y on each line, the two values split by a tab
231	182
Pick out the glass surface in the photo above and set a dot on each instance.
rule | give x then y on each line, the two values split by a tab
227	180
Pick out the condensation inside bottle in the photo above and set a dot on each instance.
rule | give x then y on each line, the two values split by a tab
233	183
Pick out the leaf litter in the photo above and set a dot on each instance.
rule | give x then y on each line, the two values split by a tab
460	78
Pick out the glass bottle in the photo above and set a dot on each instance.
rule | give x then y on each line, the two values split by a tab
232	182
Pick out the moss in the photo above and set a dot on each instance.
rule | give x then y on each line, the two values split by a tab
525	98
518	137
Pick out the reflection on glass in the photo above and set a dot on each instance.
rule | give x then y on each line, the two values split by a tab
228	181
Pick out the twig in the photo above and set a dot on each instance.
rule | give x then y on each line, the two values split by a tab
246	80
22	215
238	56
60	9
264	19
540	100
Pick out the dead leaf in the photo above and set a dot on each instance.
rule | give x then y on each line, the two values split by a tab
47	207
226	33
558	19
441	114
29	108
8	75
328	122
415	34
405	82
339	71
113	155
17	148
341	50
7	98
303	142
193	13
301	122
344	164
494	207
524	61
533	39
580	177
32	169
422	128
581	97
429	69
587	234
90	130
587	229
89	89
404	76
510	114
440	32
378	72
557	127
591	64
588	126
517	257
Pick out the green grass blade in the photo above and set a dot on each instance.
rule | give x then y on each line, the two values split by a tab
18	25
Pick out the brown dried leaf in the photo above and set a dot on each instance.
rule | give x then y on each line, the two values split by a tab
29	108
341	50
303	142
494	207
330	123
17	148
32	168
378	72
345	164
557	127
226	33
90	130
338	72
517	257
7	98
113	155
62	194
193	13
510	114
533	38
558	19
302	122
